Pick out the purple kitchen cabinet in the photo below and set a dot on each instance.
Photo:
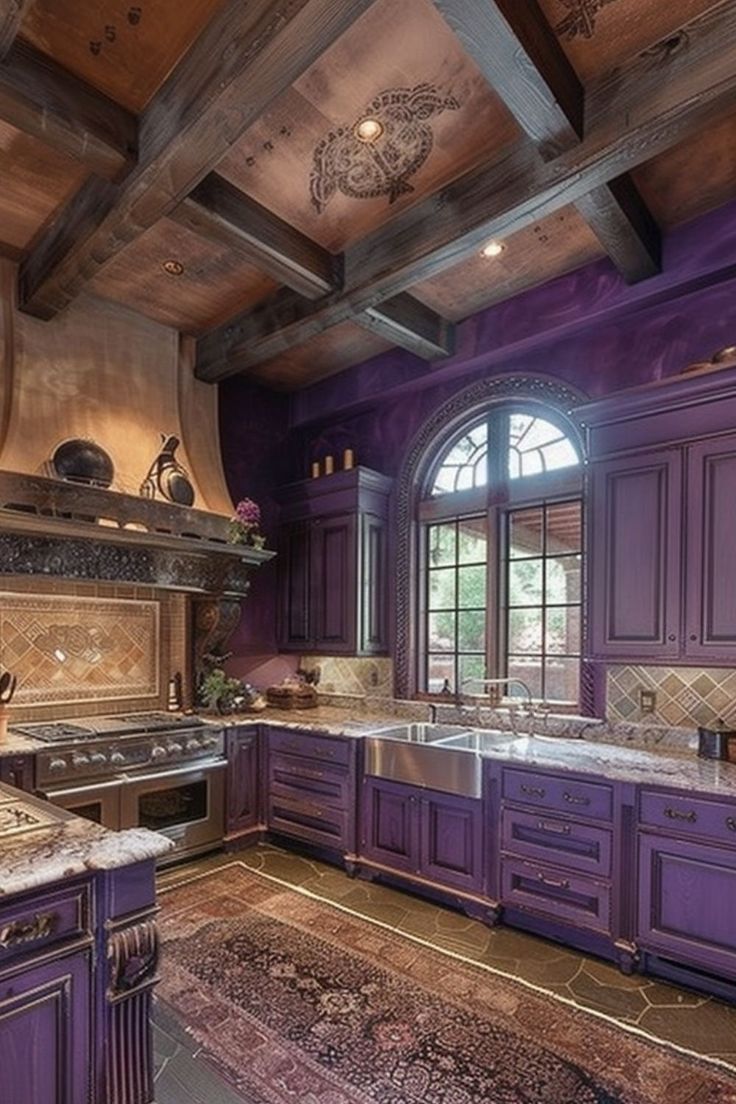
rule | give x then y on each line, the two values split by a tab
634	574
451	831
687	903
18	771
333	564
710	599
45	1023
437	837
243	783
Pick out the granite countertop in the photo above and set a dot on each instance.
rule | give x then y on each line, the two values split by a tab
67	846
14	744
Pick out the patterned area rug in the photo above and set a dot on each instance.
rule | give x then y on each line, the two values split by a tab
294	1000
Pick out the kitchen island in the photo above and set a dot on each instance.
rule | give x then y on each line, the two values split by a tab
78	956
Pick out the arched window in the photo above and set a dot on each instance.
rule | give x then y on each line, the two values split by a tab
500	555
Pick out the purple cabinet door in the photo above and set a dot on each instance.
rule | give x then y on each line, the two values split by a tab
390	825
295	627
634	573
334	581
452	840
44	1033
373	588
18	770
243	780
687	903
710	631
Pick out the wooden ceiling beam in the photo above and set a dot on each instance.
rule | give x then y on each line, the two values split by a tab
40	98
220	212
12	13
662	97
519	55
625	227
246	57
259	335
410	324
522	59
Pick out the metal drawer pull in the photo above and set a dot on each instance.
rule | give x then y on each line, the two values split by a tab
40	926
675	814
731	824
557	829
572	800
552	882
535	791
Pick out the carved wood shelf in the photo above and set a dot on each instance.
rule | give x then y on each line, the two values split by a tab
64	530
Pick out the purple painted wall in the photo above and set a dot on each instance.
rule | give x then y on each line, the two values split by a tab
587	328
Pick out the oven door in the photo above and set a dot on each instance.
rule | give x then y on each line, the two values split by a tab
98	801
186	804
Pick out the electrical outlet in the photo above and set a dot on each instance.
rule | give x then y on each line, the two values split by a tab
647	701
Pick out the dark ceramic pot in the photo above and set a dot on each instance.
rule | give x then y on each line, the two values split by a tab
81	461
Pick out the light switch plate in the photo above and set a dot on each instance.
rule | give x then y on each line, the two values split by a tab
647	700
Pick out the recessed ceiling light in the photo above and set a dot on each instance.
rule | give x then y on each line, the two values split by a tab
493	249
173	268
368	130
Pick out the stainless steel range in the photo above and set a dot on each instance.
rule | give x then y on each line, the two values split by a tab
155	770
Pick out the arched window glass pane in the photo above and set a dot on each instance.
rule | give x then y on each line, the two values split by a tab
465	465
536	446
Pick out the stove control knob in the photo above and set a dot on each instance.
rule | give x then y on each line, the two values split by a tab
57	765
175	749
117	758
158	752
194	745
80	760
98	758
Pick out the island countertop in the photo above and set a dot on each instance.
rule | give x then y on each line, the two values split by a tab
64	845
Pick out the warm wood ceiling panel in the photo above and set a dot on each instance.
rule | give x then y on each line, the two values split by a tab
692	178
325	355
34	182
125	48
396	44
554	245
216	282
598	35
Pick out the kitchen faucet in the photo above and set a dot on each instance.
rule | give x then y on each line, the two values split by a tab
507	682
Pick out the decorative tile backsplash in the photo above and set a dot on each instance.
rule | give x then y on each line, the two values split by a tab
683	696
69	650
349	675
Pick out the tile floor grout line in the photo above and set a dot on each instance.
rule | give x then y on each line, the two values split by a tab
631	1029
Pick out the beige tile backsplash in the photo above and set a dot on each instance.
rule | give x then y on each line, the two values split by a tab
685	696
351	675
86	649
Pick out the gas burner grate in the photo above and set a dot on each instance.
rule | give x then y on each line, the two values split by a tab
53	731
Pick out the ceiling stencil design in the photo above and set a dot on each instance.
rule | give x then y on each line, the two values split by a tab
388	143
580	18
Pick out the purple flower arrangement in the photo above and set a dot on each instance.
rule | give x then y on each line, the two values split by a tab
244	525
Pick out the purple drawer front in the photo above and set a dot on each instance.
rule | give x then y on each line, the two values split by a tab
569	898
324	749
584	799
304	819
324	783
690	816
29	927
566	843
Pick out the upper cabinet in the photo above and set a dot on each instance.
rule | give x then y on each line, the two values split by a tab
661	523
333	564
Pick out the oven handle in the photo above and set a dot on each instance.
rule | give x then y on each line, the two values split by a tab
76	791
191	768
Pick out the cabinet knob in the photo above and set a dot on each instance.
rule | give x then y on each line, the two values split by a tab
693	636
672	637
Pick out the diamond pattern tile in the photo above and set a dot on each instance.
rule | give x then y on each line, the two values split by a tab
686	696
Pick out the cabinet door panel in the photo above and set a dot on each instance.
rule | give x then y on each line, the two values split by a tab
452	835
711	539
390	825
242	780
295	628
334	581
636	554
687	902
44	1034
373	633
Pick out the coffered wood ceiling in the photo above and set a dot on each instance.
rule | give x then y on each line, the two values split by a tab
219	135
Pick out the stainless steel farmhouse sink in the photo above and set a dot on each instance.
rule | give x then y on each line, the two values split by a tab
480	741
414	754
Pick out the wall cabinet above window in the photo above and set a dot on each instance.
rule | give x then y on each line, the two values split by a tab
333	564
662	526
